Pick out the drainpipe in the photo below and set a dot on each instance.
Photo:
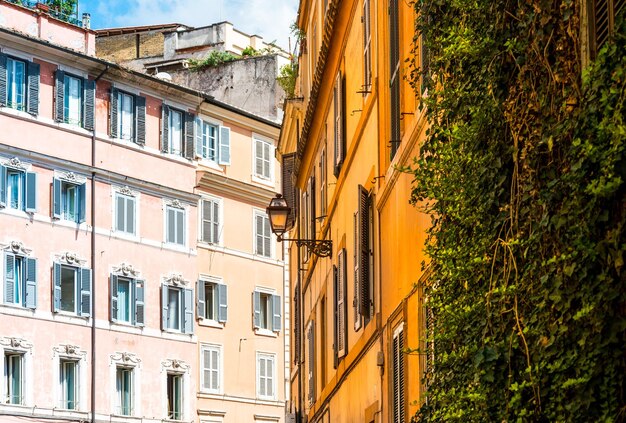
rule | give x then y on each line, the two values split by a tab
300	334
93	253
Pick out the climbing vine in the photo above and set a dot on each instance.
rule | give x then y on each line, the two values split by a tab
523	171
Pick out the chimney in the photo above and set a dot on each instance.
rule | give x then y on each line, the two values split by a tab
86	21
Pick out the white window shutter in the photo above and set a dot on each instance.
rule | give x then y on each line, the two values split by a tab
256	309
188	294
201	301
224	153
31	283
9	280
277	318
85	291
222	295
164	314
140	302
114	297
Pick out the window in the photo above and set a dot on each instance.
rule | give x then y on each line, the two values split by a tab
367	47
339	113
128	116
210	225
18	189
211	368
212	301
266	388
262	231
397	355
68	382
69	200
19	84
127	300
174	396
175	225
177	132
72	289
125	213
177	309
323	190
262	159
209	142
602	22
394	79
20	280
212	142
124	385
14	372
289	191
341	317
310	336
74	100
362	263
267	311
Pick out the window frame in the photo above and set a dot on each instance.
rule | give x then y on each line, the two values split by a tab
266	221
261	177
22	376
63	400
136	298
398	366
170	140
219	226
66	98
27	284
186	305
79	294
121	95
126	196
266	355
118	393
204	348
178	208
181	406
24	85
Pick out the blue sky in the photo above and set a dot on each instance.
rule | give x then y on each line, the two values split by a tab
268	18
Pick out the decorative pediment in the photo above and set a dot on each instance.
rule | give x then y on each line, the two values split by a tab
71	259
70	177
174	203
125	190
16	247
127	270
175	365
16	163
17	343
176	279
69	350
125	358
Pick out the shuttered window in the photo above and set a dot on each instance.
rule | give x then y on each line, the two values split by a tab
340	305
175	225
211	369
124	386
19	84
20	280
127	116
266	379
394	72
72	289
296	325
125	213
75	99
602	19
262	159
323	189
175	398
14	374
266	311
367	47
339	116
127	300
210	225
177	309
68	375
212	301
262	235
69	201
310	336
397	356
18	189
289	189
362	256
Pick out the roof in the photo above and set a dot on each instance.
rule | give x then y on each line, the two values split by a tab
107	32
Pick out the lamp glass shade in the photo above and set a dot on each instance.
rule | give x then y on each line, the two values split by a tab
278	212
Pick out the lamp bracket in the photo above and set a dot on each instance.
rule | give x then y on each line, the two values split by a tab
319	247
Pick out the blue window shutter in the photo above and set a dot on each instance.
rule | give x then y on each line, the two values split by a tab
113	297
9	278
198	136
222	312
256	306
3	186
140	304
56	295
165	129
140	120
201	301
3	80
32	104
82	202
89	104
189	136
113	113
59	96
56	198
188	294
31	283
224	152
164	321
85	292
31	192
277	320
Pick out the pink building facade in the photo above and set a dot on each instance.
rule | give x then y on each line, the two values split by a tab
136	266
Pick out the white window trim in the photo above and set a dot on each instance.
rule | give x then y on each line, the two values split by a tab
20	346
259	179
261	331
220	350
213	164
185	208
130	361
203	320
74	353
177	367
128	192
255	213
259	355
220	226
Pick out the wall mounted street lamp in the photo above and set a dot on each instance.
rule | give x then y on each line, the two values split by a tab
278	212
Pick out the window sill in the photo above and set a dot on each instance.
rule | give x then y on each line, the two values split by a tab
266	332
73	127
210	164
66	317
126	327
264	181
210	323
125	235
176	247
121	418
20	113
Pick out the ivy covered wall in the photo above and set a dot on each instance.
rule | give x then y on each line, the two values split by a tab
523	171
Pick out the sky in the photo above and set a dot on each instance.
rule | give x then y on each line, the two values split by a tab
269	19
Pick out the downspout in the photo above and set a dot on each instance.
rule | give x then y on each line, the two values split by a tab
300	332
93	252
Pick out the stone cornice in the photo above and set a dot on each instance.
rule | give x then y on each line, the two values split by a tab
212	183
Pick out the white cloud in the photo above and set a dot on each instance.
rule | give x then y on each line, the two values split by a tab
269	19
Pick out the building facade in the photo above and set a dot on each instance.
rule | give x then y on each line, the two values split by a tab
139	278
343	144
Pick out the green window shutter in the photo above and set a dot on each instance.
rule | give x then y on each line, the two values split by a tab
3	186
363	253
256	309
82	202
222	296
3	80
188	317
140	302
165	128
224	151
9	278
189	135
56	295
32	104
31	283
288	188
59	96
31	192
56	198
113	116
89	104
164	320
85	291
140	120
114	308
198	136
201	300
277	317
